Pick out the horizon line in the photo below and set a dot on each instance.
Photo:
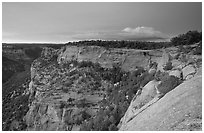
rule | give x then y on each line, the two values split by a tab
77	41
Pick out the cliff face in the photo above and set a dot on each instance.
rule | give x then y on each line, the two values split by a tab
127	58
63	95
178	108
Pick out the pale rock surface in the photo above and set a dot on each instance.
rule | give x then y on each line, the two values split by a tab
127	58
163	60
50	91
152	70
188	70
176	63
147	94
180	109
48	83
176	73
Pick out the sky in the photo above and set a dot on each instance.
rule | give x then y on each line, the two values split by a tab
60	22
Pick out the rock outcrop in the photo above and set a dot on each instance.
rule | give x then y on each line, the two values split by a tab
163	106
140	99
128	58
166	57
177	73
188	71
58	94
62	95
60	91
180	109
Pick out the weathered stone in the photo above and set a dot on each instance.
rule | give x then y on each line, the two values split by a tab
49	101
189	77
147	94
56	106
176	73
44	119
163	60
170	112
176	63
48	52
127	58
43	109
188	70
152	70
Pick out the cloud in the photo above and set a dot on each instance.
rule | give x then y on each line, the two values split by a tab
142	33
141	30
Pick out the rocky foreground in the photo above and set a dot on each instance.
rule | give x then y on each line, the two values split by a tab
179	108
65	91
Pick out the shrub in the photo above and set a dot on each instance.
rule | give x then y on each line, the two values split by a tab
183	58
9	67
198	49
177	56
83	115
188	38
139	71
161	75
168	66
65	89
85	64
198	62
62	104
146	78
112	127
68	83
153	64
167	84
82	103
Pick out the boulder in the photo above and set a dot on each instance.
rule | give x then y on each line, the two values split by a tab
189	77
198	71
147	94
188	70
180	109
176	63
176	73
163	60
152	70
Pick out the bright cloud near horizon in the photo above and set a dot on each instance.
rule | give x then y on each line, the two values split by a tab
145	33
68	21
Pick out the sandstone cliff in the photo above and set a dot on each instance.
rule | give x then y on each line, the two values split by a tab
128	58
61	92
58	95
63	95
179	108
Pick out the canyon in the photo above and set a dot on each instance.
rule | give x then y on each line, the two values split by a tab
67	88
